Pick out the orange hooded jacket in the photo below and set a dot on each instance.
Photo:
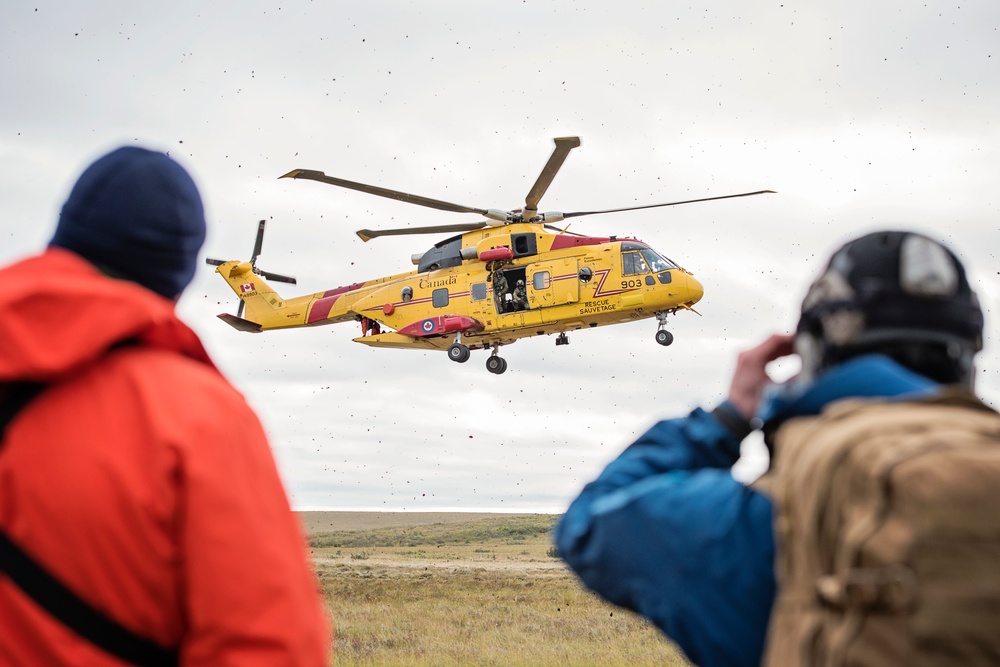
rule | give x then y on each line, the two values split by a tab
142	481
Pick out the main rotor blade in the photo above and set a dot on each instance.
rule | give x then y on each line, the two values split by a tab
563	146
383	192
258	244
369	234
673	203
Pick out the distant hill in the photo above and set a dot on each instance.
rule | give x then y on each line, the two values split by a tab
326	522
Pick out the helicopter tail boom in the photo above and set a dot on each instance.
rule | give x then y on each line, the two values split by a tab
259	299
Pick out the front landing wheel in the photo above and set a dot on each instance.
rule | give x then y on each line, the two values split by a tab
496	365
664	337
458	352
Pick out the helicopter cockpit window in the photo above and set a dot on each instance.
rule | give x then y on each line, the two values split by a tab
640	258
478	291
633	263
439	297
657	263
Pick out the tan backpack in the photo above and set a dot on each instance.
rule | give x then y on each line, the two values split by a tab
887	519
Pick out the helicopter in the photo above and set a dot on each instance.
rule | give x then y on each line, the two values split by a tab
511	275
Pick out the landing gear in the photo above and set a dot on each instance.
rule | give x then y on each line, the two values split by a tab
458	352
562	339
663	337
496	365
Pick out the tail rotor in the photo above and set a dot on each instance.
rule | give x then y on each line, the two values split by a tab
258	244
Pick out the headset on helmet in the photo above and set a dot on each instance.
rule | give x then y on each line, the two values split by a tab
896	293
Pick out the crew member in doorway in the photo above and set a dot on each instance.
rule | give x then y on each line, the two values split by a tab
520	296
500	290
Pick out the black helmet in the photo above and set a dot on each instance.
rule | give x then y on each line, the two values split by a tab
896	293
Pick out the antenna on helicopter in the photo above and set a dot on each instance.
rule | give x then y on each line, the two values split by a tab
258	243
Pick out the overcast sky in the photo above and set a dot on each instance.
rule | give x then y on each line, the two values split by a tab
861	115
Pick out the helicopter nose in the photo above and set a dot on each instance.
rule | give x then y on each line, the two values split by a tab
695	290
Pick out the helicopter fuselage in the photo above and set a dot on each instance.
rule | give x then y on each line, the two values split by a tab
488	288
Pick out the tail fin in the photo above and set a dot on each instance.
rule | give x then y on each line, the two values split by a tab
259	298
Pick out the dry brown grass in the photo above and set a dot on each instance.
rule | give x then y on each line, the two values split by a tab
460	589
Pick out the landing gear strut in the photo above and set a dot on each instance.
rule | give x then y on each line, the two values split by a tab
663	337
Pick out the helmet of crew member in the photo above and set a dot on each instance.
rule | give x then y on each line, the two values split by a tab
520	283
896	293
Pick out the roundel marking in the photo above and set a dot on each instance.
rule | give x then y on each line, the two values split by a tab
427	326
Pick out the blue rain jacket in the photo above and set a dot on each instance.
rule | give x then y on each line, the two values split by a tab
667	532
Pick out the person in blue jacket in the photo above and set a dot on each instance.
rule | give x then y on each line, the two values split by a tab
666	531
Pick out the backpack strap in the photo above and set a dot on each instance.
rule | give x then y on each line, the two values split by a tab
76	614
54	597
13	397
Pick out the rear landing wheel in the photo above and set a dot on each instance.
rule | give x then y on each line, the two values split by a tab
664	337
458	352
496	365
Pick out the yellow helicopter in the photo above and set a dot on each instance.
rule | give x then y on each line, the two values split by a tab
507	277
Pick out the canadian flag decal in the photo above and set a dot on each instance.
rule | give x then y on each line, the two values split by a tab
246	287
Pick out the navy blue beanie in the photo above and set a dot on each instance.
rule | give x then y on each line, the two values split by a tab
136	213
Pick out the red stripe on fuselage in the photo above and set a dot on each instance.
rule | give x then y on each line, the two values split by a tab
413	302
321	308
563	241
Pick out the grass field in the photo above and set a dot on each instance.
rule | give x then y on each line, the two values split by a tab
466	589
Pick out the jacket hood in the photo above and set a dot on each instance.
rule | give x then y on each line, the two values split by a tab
868	376
59	313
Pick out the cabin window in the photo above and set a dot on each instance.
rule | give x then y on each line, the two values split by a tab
406	294
478	291
439	297
540	280
650	280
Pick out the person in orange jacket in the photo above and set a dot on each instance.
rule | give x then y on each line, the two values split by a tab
134	480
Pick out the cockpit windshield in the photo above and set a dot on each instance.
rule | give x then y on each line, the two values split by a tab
640	258
657	262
